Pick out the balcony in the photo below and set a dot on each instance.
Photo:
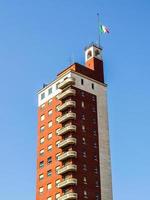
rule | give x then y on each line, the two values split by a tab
66	142
66	182
66	82
67	104
68	196
66	129
66	155
67	116
67	168
66	93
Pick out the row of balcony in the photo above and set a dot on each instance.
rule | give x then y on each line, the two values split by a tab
66	129
67	141
66	93
65	105
67	168
66	155
68	196
66	82
65	117
67	182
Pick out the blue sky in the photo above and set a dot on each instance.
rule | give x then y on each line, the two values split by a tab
37	40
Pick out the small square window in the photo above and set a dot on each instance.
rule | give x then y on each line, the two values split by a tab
42	128
41	152
84	167
82	104
49	172
50	124
41	164
83	141
49	160
49	148
84	154
42	117
41	189
42	96
49	136
82	93
42	140
49	91
41	176
50	112
83	117
49	186
83	128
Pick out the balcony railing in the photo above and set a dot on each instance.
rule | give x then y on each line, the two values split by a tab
66	182
67	116
66	105
66	82
66	129
66	93
68	196
67	168
66	142
66	155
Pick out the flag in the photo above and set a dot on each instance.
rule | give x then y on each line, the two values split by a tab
104	29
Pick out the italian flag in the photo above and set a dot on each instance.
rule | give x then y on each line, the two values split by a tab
104	29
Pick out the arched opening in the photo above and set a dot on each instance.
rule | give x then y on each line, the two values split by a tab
89	54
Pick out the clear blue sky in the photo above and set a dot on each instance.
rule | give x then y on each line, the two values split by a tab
37	40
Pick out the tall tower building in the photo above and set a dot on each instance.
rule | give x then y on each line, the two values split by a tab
73	157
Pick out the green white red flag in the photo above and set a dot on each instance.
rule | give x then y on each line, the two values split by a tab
104	29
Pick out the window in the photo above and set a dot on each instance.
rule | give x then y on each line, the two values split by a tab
94	109
97	183
50	101
41	164
95	157
84	167
42	140
57	181
50	124
49	172
41	176
49	160
89	54
49	198
83	128
49	91
82	94
49	186
42	128
95	145
85	194
57	195
42	117
84	154
84	180
49	148
57	143
94	132
41	152
49	136
97	197
93	86
83	141
96	170
93	98
50	112
42	96
82	81
41	189
83	117
82	104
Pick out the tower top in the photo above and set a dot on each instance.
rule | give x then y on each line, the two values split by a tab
93	51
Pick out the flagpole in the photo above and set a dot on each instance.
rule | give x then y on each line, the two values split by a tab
98	20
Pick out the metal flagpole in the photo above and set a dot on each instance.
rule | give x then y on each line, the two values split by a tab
99	39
